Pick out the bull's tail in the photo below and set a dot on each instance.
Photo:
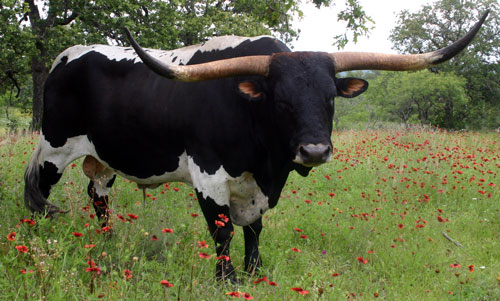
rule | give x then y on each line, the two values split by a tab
34	199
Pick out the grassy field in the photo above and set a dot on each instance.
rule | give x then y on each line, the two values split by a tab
395	215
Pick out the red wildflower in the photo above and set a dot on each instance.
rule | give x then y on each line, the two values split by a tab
455	265
202	244
167	230
371	252
401	226
296	250
335	274
93	269
165	283
442	220
247	296
22	249
127	274
223	217
260	280
22	271
298	230
272	283
420	226
219	224
89	246
132	216
222	257
204	255
106	228
234	294
194	214
362	260
28	221
77	234
11	236
121	217
300	290
303	236
154	238
471	268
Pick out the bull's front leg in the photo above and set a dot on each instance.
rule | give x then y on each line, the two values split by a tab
222	231
252	256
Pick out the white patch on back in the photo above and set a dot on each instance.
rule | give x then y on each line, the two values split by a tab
241	194
181	55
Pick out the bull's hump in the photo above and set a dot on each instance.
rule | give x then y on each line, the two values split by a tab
178	56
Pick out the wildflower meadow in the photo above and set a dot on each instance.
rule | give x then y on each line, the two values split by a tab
396	215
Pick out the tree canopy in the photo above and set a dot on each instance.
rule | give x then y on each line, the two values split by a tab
438	25
423	96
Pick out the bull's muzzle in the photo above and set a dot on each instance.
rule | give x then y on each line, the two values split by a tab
311	155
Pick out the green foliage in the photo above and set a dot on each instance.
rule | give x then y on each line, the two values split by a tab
387	197
438	25
430	98
358	23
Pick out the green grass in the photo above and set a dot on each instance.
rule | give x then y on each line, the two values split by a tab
366	203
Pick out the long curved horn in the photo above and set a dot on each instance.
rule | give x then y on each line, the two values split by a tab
346	61
248	65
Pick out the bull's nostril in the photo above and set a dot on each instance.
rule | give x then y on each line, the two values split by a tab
303	151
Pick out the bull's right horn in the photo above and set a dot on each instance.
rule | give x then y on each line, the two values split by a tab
347	61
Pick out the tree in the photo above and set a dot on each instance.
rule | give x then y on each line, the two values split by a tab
425	96
34	32
440	24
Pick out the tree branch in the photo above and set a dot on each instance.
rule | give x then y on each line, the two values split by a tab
67	20
10	74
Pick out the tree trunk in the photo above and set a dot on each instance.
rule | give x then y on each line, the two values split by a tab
448	111
39	74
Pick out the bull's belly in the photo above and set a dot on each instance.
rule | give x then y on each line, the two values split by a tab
241	194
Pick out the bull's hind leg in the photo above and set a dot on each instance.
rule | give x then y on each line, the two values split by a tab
45	169
222	232
101	180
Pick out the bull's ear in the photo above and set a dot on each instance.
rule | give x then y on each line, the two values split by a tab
250	90
351	87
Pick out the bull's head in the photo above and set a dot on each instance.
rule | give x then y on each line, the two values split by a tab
305	83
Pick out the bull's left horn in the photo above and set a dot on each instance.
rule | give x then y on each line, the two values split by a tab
347	61
248	65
